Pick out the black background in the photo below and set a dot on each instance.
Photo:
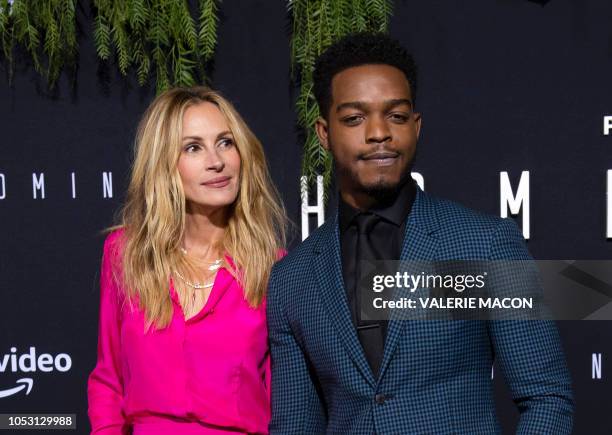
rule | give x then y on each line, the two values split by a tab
505	85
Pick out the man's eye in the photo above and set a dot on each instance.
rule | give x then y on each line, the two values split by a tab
399	117
352	120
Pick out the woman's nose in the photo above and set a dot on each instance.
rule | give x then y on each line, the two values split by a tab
214	161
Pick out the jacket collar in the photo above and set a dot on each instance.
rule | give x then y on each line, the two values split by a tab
420	243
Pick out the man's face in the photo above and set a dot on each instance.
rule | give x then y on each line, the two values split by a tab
371	131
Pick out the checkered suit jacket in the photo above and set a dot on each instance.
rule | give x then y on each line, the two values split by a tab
435	376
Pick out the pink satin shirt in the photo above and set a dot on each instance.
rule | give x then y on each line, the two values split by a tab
208	374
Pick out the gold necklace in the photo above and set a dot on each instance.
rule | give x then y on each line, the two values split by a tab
216	264
213	266
195	285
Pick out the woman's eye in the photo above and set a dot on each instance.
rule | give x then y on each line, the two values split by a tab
225	143
192	148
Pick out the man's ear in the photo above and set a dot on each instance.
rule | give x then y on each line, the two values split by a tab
322	132
417	123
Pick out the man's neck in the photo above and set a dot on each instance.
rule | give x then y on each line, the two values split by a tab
363	200
358	200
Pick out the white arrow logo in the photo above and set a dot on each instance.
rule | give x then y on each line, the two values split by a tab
25	383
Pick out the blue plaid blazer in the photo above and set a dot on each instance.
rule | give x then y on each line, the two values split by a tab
435	376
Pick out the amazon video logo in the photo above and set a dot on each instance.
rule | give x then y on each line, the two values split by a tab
30	363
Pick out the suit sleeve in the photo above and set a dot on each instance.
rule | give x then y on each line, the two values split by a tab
529	355
105	384
296	407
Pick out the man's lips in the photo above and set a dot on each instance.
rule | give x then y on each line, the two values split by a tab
381	158
217	182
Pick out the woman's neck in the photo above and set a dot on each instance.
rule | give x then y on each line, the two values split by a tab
204	230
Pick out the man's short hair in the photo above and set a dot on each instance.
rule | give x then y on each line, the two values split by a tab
363	48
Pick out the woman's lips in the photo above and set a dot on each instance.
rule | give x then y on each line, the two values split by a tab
217	182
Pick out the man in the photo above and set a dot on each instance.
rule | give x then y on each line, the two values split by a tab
337	373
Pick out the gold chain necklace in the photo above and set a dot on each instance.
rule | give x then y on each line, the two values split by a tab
195	285
213	266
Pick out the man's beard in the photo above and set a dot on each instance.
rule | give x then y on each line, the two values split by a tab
381	191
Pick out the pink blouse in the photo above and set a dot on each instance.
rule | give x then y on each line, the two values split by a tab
210	372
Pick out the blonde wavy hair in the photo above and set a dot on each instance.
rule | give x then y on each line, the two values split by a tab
153	216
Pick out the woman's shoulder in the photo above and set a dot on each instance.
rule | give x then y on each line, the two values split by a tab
280	253
114	238
113	246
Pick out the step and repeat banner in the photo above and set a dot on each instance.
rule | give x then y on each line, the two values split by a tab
516	99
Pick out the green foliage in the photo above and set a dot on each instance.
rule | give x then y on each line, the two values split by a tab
161	37
208	27
157	34
45	28
316	24
6	34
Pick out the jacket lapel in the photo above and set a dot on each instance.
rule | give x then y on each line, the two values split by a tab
420	243
328	272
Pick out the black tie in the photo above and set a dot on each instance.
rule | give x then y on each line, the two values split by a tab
371	333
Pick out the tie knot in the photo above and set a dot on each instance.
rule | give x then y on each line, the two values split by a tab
366	221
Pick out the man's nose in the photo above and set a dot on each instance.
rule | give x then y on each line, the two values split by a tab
377	130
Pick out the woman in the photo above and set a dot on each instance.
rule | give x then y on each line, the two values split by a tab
182	340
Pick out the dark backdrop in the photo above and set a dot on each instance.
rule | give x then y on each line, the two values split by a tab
505	85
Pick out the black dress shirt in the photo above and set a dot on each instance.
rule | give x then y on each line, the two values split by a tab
386	238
